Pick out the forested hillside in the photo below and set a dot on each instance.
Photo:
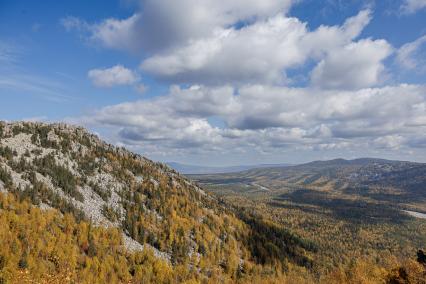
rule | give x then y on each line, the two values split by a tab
151	206
76	209
43	246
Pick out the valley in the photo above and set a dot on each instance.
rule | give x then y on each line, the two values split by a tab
350	209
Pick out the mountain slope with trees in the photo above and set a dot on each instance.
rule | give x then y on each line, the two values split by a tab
64	168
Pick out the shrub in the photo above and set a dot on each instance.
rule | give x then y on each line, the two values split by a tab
60	175
6	177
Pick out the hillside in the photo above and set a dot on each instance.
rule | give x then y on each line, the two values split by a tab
66	169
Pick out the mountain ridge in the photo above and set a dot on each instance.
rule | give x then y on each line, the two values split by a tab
65	168
403	182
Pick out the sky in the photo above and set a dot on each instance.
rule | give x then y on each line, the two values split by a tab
219	83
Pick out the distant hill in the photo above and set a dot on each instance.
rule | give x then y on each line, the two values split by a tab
353	209
405	180
194	169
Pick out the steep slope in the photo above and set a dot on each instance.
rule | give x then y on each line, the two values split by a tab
66	168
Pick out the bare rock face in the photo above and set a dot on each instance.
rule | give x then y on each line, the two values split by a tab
2	189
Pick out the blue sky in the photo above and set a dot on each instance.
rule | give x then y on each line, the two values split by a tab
223	82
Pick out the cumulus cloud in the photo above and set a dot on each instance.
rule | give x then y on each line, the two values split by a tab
118	34
357	65
410	56
233	42
337	110
412	6
264	116
110	33
234	55
114	76
164	23
260	52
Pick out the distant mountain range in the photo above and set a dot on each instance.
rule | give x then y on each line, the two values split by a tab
194	169
349	207
399	181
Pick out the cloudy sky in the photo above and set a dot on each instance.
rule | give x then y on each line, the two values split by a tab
215	82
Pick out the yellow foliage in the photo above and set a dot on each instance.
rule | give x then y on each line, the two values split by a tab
44	247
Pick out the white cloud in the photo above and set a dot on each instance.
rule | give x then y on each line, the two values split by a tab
110	33
234	55
260	117
412	6
109	77
260	52
197	42
165	23
357	65
118	34
409	55
326	39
